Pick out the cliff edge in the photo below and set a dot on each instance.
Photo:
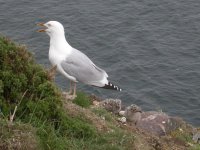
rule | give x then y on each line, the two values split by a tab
35	115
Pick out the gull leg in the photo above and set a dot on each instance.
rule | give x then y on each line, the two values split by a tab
73	96
74	93
70	88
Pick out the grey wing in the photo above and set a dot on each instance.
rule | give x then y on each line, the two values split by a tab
83	69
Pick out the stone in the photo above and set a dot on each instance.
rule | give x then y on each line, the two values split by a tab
112	105
122	120
196	137
121	113
133	113
154	122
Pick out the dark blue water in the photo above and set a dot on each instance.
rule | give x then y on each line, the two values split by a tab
151	49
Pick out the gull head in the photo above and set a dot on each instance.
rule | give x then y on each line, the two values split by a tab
52	28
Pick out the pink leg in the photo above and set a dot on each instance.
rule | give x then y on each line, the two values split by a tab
74	93
70	92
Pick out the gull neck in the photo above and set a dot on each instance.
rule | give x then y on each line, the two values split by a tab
58	39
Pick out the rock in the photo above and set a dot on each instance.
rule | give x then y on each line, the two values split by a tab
173	124
196	137
154	122
133	113
95	103
112	105
157	123
122	119
121	113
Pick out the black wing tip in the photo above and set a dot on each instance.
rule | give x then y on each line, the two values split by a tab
112	87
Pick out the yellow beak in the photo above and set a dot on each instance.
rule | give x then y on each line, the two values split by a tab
41	24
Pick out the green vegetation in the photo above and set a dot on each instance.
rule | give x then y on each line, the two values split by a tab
19	135
25	84
103	114
180	135
82	100
44	120
196	147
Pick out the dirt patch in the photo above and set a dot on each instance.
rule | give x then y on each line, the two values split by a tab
75	110
18	137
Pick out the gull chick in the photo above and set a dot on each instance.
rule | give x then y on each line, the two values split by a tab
72	63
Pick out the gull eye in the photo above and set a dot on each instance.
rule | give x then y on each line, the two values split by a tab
49	25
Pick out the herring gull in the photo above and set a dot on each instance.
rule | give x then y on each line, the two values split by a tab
72	63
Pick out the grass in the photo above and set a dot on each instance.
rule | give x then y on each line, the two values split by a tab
103	114
17	136
40	111
82	100
195	147
26	84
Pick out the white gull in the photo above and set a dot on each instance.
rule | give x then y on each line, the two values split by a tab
72	63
